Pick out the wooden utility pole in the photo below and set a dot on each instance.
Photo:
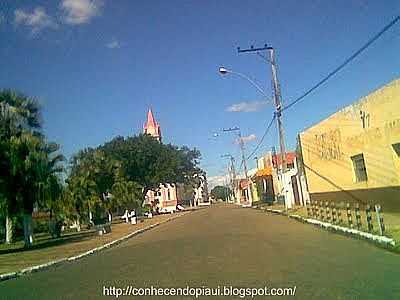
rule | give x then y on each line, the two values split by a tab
244	161
278	107
277	97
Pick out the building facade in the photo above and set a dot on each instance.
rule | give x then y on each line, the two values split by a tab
272	185
200	192
354	155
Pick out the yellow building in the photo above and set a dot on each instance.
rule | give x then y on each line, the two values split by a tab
354	155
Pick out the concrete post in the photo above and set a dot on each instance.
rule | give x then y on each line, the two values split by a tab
369	218
379	218
358	216
9	229
349	217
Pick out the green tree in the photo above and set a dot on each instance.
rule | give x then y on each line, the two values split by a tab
127	169
125	194
148	162
18	114
50	186
92	176
220	192
34	171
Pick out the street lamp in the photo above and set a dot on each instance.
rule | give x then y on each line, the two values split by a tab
225	71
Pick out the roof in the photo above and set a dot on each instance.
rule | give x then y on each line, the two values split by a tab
264	172
290	156
151	126
151	122
243	183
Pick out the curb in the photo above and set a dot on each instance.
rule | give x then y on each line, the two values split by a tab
41	267
377	239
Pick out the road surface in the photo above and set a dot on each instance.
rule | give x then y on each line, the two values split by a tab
224	246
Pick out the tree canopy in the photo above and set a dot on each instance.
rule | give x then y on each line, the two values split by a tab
220	192
148	162
29	165
127	168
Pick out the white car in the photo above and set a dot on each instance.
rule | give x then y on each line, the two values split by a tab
167	209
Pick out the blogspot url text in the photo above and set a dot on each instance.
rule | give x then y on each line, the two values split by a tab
202	291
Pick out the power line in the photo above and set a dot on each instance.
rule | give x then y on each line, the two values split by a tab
263	137
346	62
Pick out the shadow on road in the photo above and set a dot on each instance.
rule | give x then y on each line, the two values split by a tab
50	242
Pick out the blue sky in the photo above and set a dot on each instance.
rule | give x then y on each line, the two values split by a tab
97	66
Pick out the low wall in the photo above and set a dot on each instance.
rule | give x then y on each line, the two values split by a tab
388	198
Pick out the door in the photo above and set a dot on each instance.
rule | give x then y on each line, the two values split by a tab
295	190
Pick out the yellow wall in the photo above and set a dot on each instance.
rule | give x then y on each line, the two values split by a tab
254	191
328	146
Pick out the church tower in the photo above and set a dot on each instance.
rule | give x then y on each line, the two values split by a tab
151	126
164	198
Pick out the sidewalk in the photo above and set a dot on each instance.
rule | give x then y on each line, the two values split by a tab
391	220
15	259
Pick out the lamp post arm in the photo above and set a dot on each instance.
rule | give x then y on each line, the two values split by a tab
253	83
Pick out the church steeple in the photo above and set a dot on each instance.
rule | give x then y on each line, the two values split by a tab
151	126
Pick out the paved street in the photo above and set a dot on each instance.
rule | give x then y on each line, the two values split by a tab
226	245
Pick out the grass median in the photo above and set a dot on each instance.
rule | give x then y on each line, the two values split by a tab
15	257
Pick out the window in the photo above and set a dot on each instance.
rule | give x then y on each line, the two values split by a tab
396	148
359	167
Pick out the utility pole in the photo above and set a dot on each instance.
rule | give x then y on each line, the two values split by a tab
241	144
278	105
232	174
277	97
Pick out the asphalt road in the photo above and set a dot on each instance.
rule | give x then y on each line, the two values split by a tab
225	245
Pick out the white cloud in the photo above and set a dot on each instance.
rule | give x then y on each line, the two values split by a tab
114	44
247	106
38	19
213	181
80	11
248	138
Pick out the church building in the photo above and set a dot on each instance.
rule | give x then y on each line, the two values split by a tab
165	197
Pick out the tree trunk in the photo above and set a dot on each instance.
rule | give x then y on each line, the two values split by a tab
28	229
52	224
9	229
78	225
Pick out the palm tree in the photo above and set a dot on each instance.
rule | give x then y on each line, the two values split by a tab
18	114
82	185
35	167
91	177
49	183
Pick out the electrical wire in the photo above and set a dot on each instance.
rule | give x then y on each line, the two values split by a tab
263	137
346	62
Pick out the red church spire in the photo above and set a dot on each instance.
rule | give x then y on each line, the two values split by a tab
150	119
151	126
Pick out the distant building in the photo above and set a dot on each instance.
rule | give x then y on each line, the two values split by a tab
242	190
354	155
165	197
272	184
152	127
201	192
